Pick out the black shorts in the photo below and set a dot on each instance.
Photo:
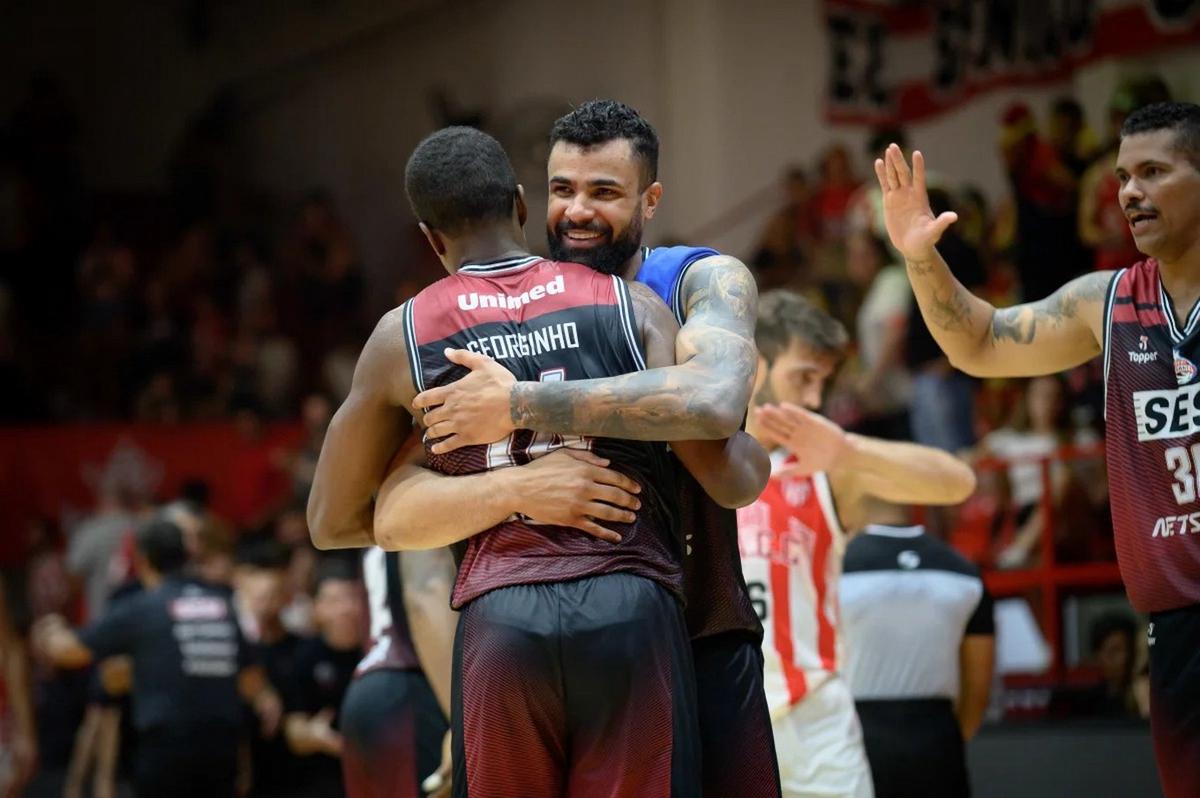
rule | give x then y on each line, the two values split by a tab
392	728
1174	638
737	744
575	688
915	748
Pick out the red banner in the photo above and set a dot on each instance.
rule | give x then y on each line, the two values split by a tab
60	473
902	61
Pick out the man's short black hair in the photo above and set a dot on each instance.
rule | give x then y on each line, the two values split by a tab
161	542
333	568
264	554
1113	623
1183	118
459	177
598	122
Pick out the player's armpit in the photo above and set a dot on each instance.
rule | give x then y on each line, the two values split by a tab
363	436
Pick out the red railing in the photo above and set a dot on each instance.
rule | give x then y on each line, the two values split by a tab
1051	579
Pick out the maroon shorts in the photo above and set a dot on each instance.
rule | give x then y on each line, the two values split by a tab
393	729
575	688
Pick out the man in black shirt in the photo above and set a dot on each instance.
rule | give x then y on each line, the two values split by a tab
323	668
190	665
260	595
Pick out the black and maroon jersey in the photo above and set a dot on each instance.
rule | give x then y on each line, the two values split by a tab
717	598
1152	409
544	320
391	645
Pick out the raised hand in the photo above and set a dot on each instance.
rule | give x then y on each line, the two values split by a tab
910	222
474	409
816	443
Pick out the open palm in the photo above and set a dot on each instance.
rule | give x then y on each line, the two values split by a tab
910	222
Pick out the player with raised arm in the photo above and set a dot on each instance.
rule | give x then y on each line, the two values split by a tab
825	486
548	699
1142	320
603	189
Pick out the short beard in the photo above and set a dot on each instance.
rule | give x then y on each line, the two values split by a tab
607	258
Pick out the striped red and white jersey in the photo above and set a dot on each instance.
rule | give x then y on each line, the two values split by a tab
791	546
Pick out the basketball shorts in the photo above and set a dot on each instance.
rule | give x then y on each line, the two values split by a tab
820	746
737	745
392	728
575	688
1174	644
915	748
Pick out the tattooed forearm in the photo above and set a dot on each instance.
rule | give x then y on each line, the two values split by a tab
985	341
697	401
704	397
920	267
952	311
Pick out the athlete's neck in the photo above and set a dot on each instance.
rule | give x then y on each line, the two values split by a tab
1181	279
484	246
634	265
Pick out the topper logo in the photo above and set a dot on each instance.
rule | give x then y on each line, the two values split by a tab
474	301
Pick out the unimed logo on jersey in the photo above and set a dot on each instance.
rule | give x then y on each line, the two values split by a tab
473	300
1173	413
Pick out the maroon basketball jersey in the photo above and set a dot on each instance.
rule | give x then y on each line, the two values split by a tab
544	320
1152	409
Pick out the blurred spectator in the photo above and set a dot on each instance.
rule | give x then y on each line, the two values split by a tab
189	664
18	735
1114	648
100	550
941	410
1047	250
1070	136
260	486
1114	653
830	203
324	667
261	595
315	414
321	261
884	384
783	250
1038	429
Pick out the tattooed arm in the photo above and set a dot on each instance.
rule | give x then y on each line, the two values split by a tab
732	471
703	397
1043	337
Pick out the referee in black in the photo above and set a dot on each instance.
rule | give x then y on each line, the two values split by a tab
920	649
190	670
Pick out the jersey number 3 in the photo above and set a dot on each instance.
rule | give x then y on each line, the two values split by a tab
1183	464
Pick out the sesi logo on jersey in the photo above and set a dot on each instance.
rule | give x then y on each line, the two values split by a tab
1173	413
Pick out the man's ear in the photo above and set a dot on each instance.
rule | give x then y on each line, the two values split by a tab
434	238
653	197
522	208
